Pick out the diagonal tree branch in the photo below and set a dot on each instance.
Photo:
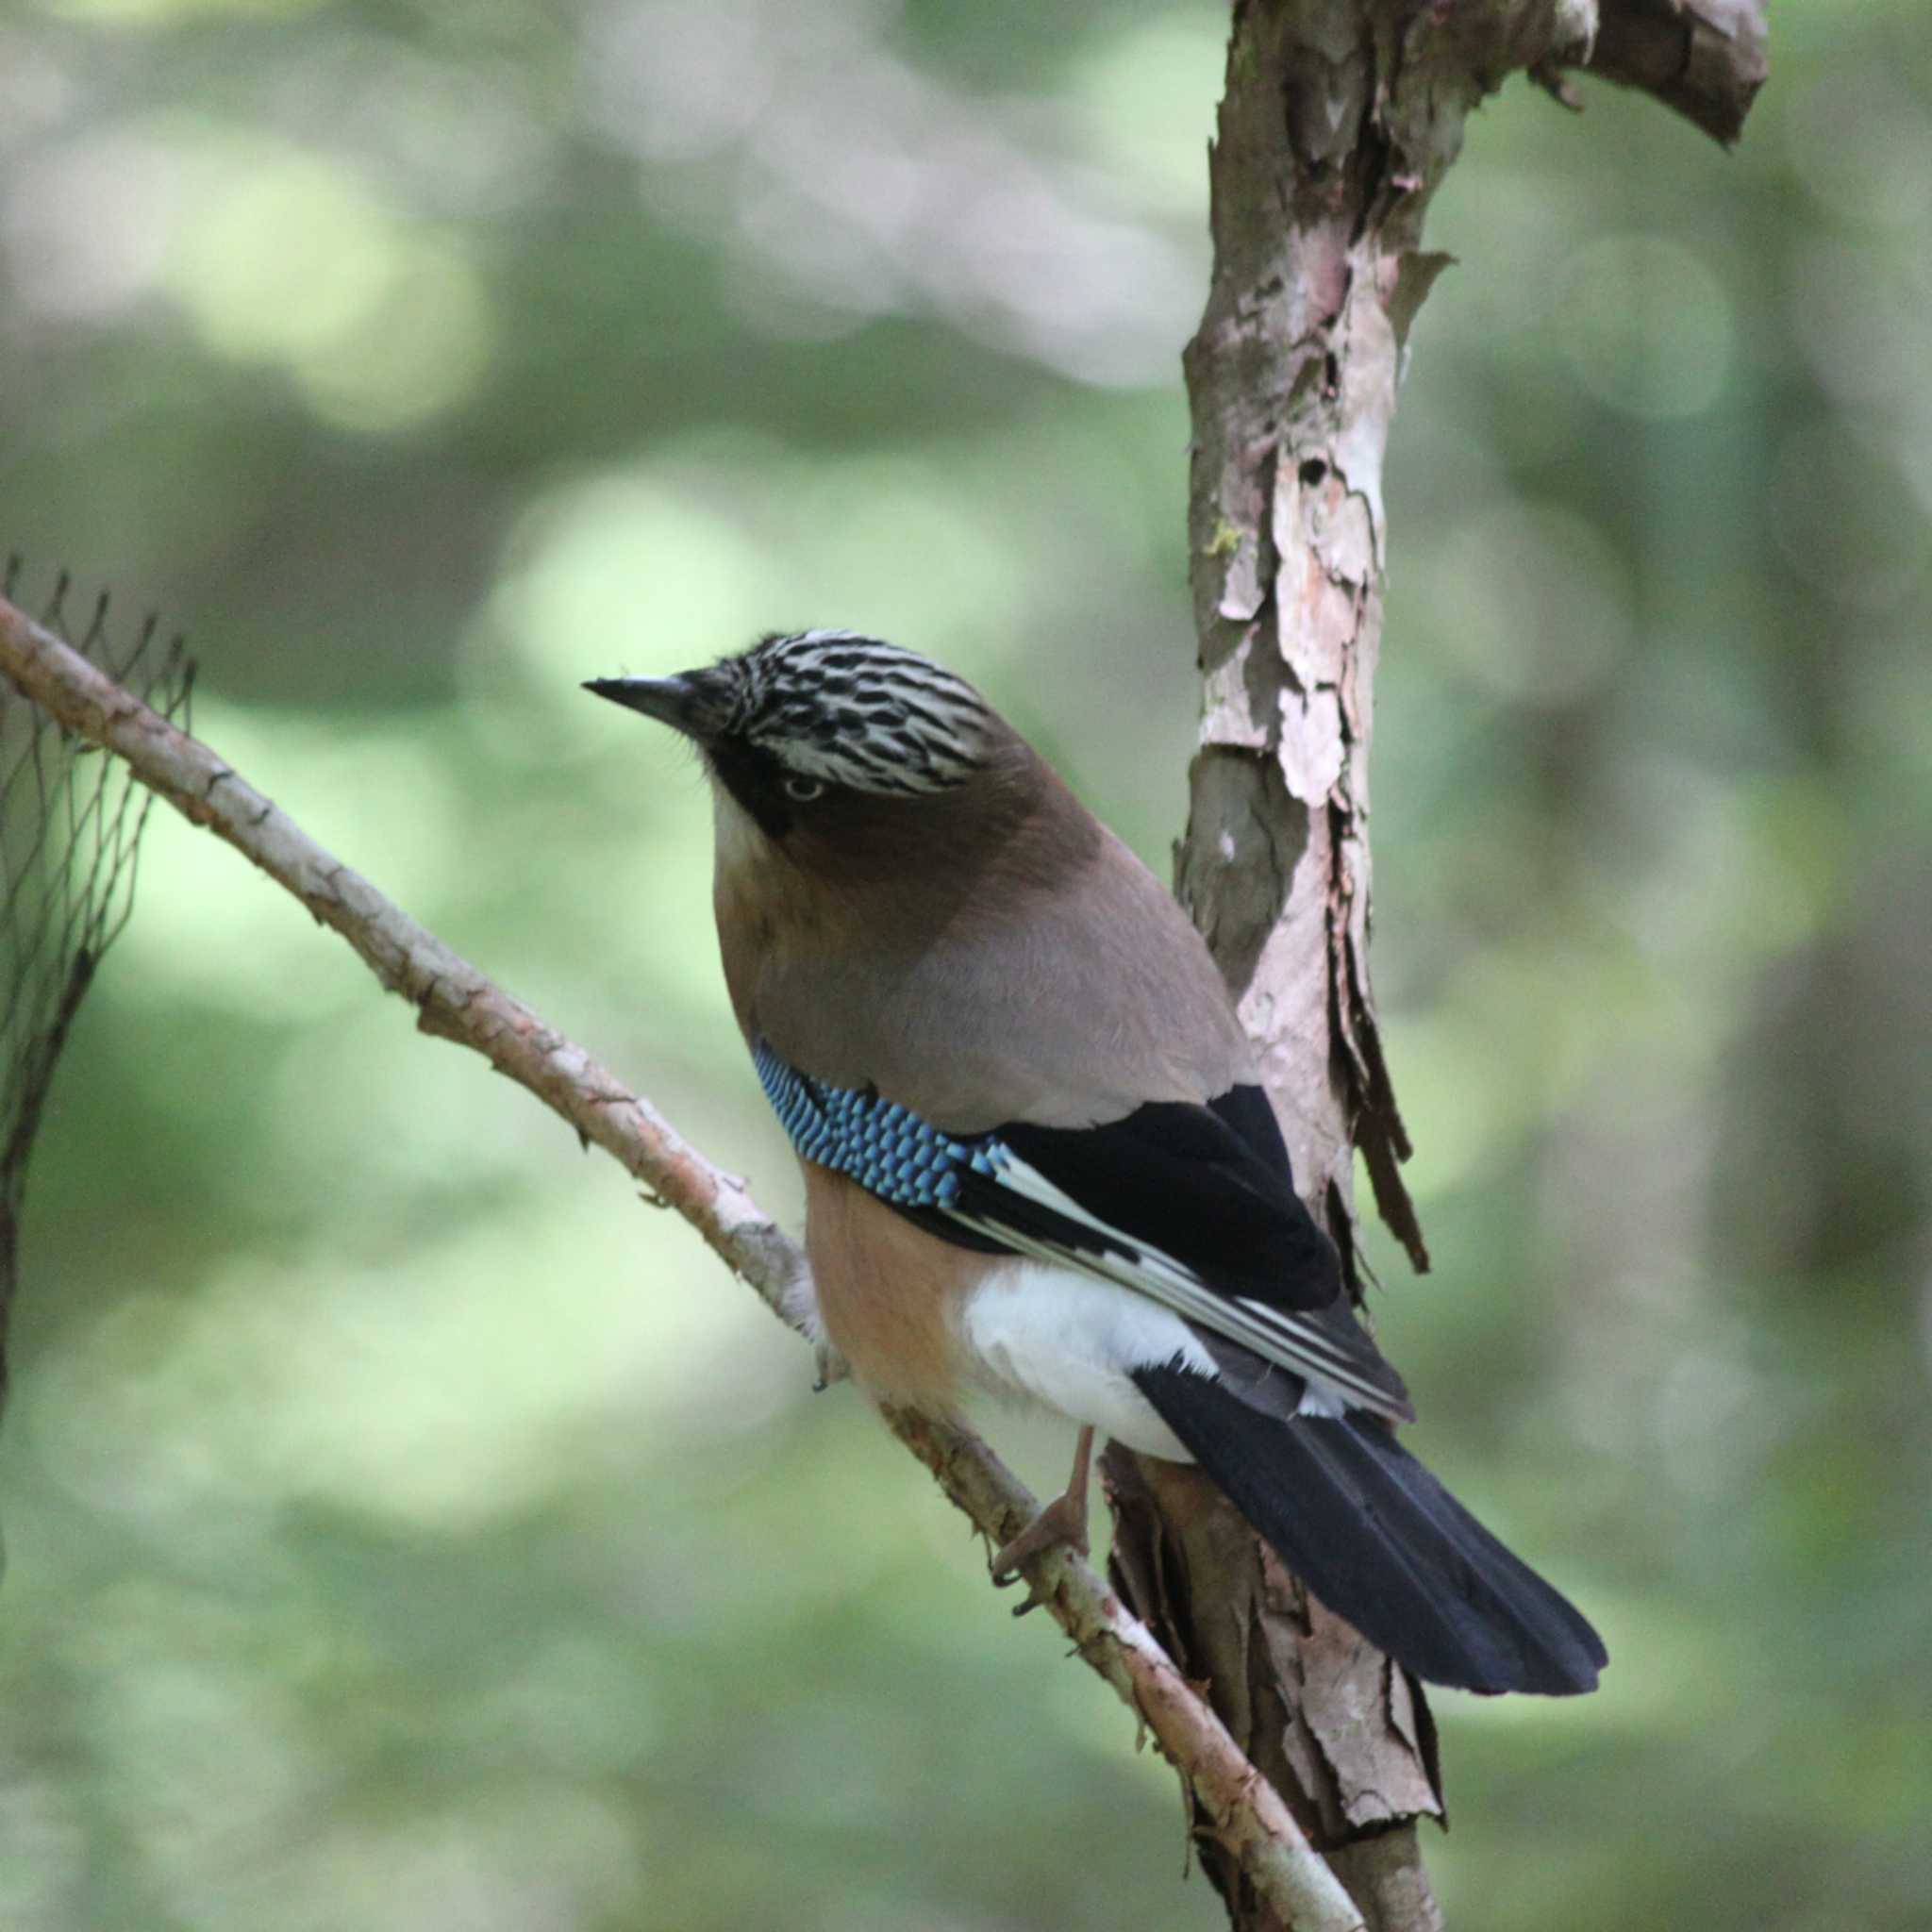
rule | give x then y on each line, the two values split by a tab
1240	1810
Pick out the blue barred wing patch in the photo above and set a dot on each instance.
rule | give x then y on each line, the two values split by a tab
889	1151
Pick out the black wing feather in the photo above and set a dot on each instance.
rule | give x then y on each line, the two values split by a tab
1210	1186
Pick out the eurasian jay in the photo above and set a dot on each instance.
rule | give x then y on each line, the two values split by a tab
1037	1159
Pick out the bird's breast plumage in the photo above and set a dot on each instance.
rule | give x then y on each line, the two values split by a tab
889	1294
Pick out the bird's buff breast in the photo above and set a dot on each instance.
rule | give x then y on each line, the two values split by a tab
889	1294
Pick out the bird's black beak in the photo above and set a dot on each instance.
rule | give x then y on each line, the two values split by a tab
669	700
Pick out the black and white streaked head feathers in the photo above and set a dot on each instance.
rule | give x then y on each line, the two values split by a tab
856	712
830	708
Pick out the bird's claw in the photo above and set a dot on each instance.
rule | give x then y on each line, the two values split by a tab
1063	1524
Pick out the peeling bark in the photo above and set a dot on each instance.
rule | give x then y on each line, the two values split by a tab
1338	121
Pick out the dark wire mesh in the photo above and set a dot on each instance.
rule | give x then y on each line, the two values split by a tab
71	818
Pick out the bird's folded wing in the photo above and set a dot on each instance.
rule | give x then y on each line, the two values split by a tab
1191	1206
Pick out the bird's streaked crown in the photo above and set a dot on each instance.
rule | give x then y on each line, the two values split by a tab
830	705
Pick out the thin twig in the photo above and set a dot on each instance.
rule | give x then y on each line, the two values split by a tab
457	1001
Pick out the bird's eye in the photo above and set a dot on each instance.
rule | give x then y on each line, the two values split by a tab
803	789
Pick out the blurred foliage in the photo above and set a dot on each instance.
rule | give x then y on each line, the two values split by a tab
406	1529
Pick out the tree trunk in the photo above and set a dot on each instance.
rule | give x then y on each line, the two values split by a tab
1338	121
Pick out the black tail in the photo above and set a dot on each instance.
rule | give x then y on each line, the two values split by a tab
1382	1542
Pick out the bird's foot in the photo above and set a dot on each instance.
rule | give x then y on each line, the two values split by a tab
1063	1524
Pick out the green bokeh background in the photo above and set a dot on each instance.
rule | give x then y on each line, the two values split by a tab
408	1529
